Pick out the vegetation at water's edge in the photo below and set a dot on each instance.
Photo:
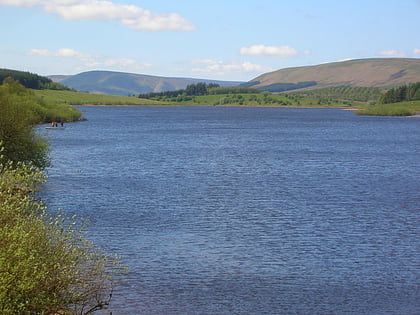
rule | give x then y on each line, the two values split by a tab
394	109
77	98
46	264
218	96
400	101
211	94
364	98
41	110
31	80
20	110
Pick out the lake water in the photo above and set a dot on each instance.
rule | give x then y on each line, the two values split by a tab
247	210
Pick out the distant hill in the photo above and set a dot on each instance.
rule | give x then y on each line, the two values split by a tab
121	83
379	72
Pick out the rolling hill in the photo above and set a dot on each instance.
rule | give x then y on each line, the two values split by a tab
121	83
379	72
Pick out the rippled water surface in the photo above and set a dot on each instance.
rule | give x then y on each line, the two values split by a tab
247	210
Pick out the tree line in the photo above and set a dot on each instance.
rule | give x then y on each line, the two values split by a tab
46	265
198	89
31	80
190	90
402	93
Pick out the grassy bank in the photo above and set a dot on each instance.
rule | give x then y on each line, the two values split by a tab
325	98
77	98
245	99
394	109
251	99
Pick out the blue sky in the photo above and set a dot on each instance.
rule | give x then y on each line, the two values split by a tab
226	40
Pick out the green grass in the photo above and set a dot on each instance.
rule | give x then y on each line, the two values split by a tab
247	99
76	98
257	99
394	109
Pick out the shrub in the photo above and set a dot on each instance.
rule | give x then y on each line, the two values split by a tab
46	266
387	110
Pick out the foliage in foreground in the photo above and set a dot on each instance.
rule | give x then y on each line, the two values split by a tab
46	267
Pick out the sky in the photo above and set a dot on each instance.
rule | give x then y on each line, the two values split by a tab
218	39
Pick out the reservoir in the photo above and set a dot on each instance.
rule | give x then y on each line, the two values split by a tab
241	210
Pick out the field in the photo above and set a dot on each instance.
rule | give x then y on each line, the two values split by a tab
261	99
324	99
364	102
257	99
76	98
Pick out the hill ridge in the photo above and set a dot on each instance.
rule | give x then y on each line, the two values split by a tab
126	83
369	72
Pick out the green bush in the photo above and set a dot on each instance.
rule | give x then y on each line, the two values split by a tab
46	267
387	110
18	114
20	111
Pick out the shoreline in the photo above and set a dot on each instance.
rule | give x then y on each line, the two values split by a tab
354	109
207	105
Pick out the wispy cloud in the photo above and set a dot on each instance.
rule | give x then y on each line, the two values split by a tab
276	51
62	52
90	61
416	51
217	67
392	53
131	16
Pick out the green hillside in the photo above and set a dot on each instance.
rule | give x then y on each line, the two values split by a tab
380	72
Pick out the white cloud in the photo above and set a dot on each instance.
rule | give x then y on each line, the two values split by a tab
117	64
131	16
416	51
392	53
20	3
276	51
89	61
216	67
62	52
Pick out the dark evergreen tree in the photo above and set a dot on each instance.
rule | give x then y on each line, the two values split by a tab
31	80
409	92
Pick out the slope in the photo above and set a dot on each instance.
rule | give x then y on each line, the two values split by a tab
121	83
379	72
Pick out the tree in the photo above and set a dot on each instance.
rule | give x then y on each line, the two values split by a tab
196	89
402	93
31	80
